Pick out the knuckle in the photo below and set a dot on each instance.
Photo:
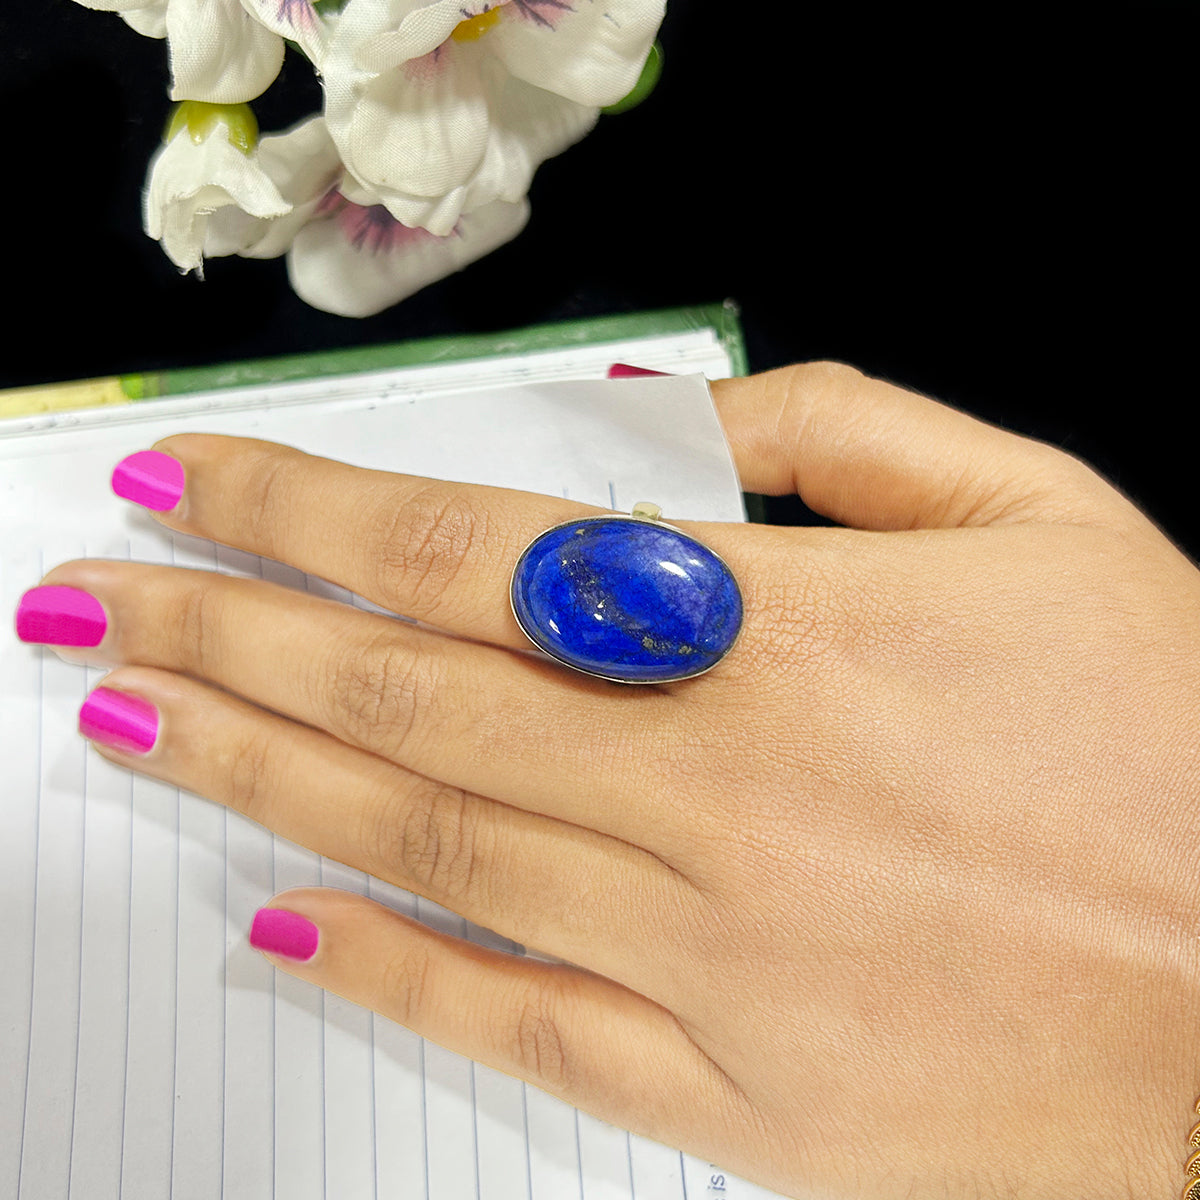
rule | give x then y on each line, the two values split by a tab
424	545
795	622
835	374
435	844
1044	483
539	1048
248	772
404	984
196	623
265	502
1067	477
836	380
378	692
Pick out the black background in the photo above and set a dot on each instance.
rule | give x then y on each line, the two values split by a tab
985	205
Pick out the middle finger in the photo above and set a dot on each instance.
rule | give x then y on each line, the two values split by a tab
504	725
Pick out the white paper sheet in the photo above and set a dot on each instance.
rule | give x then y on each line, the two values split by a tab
146	1051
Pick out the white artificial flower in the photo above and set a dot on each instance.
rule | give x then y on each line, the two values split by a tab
355	260
222	51
346	253
439	107
298	21
207	164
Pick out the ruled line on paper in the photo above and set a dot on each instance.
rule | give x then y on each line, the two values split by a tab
224	1056
128	555
323	1006
322	1059
274	1037
525	1130
79	971
178	898
474	1068
34	909
128	990
575	1116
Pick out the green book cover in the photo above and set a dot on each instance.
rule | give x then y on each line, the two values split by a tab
721	318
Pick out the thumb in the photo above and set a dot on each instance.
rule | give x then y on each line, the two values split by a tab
870	455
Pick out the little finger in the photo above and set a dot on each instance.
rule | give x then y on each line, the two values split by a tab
583	1038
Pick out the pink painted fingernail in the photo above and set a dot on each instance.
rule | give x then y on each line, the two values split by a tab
60	616
625	371
279	931
119	721
149	478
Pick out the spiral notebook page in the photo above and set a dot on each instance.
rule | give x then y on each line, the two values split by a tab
146	1050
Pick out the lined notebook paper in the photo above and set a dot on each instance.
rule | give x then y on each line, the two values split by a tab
146	1051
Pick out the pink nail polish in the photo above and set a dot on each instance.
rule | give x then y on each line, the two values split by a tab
119	721
278	931
60	616
150	479
625	371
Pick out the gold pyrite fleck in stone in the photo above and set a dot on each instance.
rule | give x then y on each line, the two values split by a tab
627	598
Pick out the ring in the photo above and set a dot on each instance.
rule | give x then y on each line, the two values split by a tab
627	598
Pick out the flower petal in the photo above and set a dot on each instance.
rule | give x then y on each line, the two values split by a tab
219	52
529	125
296	21
379	34
330	272
189	182
589	52
417	128
303	164
149	22
436	141
123	6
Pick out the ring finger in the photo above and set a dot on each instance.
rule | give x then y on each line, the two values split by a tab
435	551
541	882
443	553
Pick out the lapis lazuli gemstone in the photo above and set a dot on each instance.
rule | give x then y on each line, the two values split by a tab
627	599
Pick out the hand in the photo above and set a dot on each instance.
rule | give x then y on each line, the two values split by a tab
896	902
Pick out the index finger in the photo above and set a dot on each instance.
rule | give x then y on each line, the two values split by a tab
436	551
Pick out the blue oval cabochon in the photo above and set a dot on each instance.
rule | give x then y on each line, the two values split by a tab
627	599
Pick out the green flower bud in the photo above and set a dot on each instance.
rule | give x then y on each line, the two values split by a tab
202	120
651	70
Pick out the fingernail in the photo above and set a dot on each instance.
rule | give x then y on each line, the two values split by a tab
278	931
60	616
625	371
119	721
149	478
